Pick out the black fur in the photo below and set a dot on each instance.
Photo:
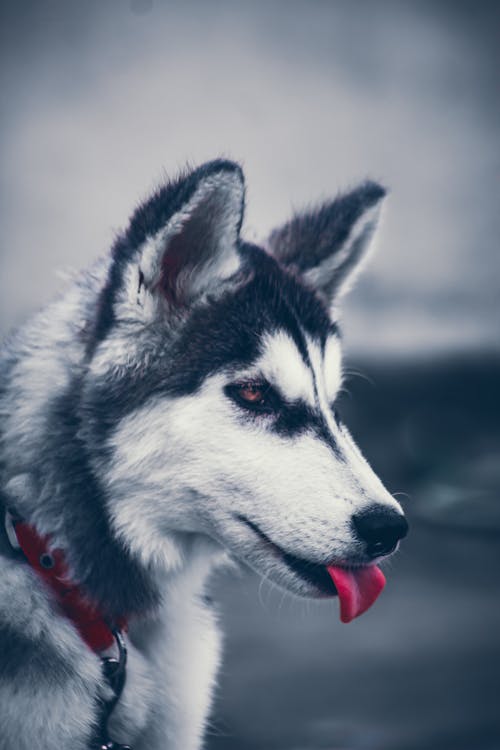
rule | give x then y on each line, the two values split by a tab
19	651
79	505
309	238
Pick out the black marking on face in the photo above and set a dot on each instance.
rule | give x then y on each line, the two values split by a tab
325	434
294	419
224	333
286	418
336	416
298	418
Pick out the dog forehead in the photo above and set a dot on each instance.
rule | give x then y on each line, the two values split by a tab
301	374
283	365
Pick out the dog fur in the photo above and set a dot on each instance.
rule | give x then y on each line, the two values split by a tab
126	437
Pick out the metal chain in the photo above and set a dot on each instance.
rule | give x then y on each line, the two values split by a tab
114	671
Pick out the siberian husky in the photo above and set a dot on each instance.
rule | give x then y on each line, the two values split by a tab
174	409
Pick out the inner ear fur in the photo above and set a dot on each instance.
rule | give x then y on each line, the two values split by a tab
197	248
180	243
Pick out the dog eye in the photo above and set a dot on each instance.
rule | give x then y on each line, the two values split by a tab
253	395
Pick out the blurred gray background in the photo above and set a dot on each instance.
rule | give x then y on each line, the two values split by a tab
100	100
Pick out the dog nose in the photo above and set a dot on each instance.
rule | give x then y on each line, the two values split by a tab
381	529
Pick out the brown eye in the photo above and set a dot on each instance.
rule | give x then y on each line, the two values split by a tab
252	393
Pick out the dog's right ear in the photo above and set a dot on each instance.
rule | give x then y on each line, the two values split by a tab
180	245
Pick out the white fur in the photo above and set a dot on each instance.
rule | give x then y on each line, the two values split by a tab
173	659
282	365
332	368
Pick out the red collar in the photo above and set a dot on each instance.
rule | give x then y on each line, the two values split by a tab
51	566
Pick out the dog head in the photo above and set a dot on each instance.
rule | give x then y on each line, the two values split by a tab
214	370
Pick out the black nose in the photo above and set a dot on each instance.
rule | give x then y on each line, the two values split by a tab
381	529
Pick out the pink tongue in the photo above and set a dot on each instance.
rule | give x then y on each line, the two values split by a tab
357	589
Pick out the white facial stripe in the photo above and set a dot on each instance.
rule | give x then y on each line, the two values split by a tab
327	368
332	368
282	365
316	358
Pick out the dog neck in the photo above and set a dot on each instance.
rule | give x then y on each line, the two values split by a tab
71	573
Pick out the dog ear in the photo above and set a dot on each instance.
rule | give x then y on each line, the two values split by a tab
326	246
182	243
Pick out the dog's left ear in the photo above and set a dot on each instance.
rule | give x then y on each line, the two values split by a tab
327	246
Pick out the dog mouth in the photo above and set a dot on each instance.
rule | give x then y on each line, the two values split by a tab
356	587
312	573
